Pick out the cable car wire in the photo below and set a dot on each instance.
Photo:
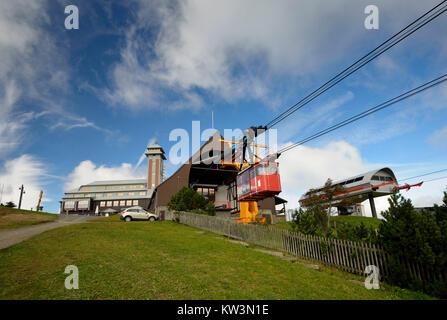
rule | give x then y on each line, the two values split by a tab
370	111
385	46
423	175
441	178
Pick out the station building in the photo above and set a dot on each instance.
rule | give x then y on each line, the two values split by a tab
216	182
115	195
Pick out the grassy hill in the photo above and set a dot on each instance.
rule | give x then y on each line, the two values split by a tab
165	260
337	220
368	221
11	218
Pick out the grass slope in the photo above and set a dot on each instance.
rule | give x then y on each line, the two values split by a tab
368	221
11	218
164	260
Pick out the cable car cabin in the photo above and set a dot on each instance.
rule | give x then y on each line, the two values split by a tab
258	182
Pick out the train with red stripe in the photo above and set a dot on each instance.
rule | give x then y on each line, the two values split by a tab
381	182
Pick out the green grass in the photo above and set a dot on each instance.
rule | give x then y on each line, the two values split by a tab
11	218
372	222
164	260
368	221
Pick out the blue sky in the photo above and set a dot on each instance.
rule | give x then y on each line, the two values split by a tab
81	105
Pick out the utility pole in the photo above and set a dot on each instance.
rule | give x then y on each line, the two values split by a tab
1	193
38	203
22	191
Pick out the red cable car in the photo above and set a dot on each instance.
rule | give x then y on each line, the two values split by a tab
259	181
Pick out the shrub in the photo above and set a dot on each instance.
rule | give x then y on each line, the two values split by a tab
305	222
187	199
10	204
411	236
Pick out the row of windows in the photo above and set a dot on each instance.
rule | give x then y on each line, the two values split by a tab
120	187
381	178
106	195
84	204
208	193
119	203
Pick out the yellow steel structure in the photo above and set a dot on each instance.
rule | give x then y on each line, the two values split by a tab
248	210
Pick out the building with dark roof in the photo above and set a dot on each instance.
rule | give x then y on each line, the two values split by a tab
215	181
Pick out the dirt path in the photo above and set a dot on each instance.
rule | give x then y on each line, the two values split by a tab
13	236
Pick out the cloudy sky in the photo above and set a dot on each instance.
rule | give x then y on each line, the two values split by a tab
81	105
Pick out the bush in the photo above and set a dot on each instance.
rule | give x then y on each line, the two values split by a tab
10	204
361	232
411	236
187	199
305	222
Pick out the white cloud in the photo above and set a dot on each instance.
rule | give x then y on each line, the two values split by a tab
87	172
238	49
26	170
439	137
33	70
303	168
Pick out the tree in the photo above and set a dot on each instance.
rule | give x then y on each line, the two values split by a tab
412	236
319	202
187	199
10	204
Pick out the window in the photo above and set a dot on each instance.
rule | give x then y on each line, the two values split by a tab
120	194
358	179
128	202
102	204
116	203
122	203
109	203
260	170
109	195
141	186
389	179
83	204
131	193
142	193
375	178
135	202
252	173
382	178
69	204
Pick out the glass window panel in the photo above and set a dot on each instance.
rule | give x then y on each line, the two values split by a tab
128	202
135	202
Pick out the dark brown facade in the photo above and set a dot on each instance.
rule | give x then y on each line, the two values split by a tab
195	174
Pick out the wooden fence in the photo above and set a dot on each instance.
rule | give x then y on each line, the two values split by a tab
349	256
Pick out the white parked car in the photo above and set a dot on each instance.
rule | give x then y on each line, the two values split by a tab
137	213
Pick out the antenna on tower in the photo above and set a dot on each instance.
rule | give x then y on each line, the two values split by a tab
212	119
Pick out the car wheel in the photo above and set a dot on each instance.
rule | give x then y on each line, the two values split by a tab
127	219
151	219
